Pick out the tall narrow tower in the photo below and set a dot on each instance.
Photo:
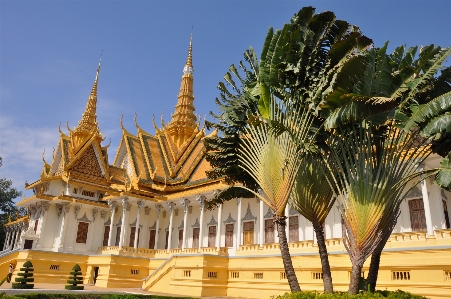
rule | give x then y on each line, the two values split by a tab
183	122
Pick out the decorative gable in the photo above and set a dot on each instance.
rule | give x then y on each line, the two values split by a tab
88	164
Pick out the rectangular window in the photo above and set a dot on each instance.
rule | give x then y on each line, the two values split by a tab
294	228
447	275
87	193
283	275
82	232
195	237
152	239
317	275
118	236
417	218
248	233
36	225
258	275
229	235
401	275
132	236
212	274
269	231
54	267
186	273
234	274
180	238
211	236
135	271
106	235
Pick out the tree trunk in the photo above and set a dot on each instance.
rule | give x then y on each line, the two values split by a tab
281	222
327	276
373	271
355	277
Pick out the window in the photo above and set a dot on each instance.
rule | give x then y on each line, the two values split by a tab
317	275
135	271
195	237
132	236
152	239
229	235
54	267
212	274
36	226
186	273
248	232
106	235
269	231
401	275
82	232
87	193
258	275
75	190
417	218
283	275
448	275
294	228
212	236
234	274
445	210
180	238
118	236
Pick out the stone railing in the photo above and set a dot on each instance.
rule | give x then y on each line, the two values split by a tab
127	251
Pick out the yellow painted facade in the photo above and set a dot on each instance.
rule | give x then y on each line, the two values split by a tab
141	222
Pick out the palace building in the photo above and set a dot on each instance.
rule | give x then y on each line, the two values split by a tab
140	222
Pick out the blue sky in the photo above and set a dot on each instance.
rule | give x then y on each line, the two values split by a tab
49	52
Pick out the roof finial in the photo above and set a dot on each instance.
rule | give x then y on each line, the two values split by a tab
188	69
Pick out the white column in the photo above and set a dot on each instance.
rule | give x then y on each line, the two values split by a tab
218	231
125	214
112	205
201	200
287	227
44	208
238	229
8	234
137	230
261	223
427	207
184	203
65	207
157	226
73	228
171	216
16	239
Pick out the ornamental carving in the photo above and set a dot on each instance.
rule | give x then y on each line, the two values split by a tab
196	223
146	211
182	225
95	212
292	211
212	221
414	192
108	222
248	215
269	214
154	226
84	218
103	214
229	219
76	210
88	164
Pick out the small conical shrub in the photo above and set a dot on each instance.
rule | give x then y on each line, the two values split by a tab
75	279
25	276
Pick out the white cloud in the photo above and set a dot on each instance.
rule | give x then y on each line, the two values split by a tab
21	149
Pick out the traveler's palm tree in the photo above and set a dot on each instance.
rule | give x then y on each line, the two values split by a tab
313	198
374	164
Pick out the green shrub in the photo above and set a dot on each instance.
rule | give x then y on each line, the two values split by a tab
75	279
25	276
342	295
89	296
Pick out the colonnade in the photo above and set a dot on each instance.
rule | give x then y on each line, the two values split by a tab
13	232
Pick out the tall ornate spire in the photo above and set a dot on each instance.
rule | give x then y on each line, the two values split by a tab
88	122
183	122
87	126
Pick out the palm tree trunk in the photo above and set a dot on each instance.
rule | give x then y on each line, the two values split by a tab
281	222
373	271
327	276
355	277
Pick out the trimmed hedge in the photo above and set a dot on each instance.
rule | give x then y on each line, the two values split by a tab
75	279
342	295
25	276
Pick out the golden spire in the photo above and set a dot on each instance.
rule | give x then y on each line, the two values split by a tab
183	122
88	122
